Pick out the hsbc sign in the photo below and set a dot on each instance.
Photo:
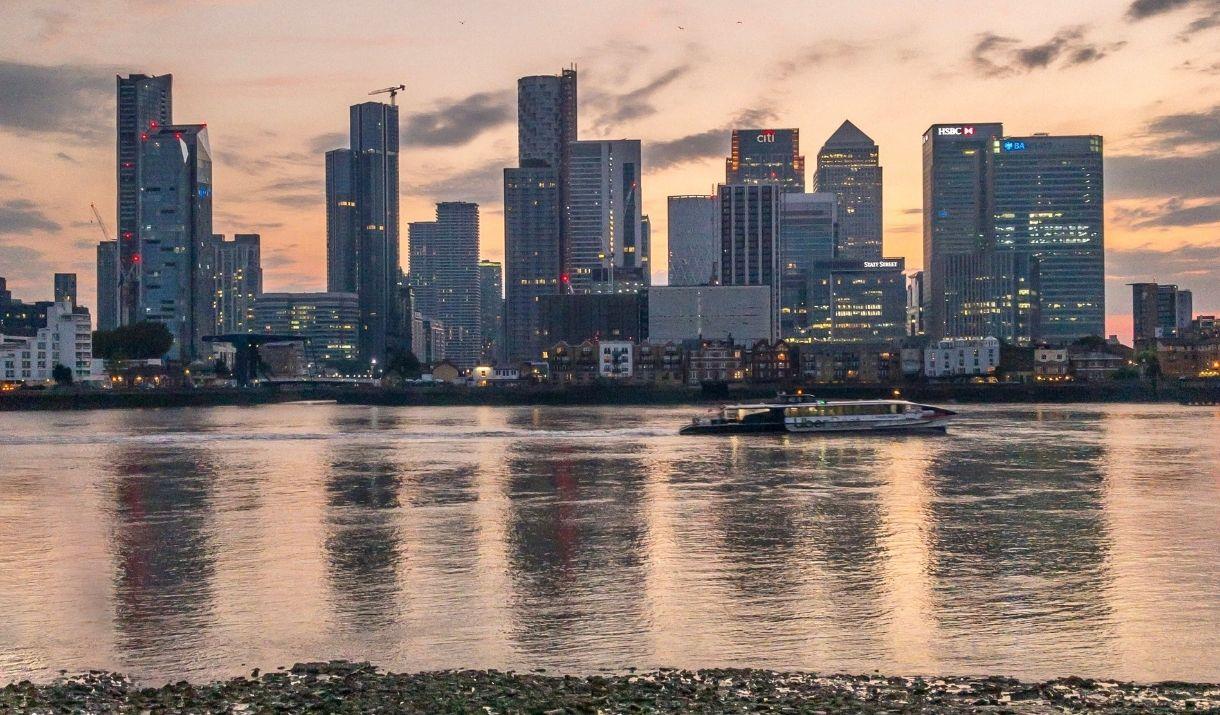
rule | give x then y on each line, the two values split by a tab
955	131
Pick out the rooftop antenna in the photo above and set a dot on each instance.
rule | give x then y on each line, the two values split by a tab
392	91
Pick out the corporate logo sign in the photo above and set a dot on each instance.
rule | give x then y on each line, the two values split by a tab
962	131
766	136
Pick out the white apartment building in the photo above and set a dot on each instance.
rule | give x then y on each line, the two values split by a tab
66	339
950	358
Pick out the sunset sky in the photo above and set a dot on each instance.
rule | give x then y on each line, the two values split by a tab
273	81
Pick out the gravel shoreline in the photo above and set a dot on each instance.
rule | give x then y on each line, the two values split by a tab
343	687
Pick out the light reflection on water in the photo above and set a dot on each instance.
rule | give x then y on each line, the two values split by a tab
1034	541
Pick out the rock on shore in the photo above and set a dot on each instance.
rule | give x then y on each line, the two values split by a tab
343	687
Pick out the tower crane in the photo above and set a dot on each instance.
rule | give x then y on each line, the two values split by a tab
124	275
392	91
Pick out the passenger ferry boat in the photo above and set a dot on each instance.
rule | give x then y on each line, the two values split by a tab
806	413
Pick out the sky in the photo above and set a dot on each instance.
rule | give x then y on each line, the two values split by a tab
273	81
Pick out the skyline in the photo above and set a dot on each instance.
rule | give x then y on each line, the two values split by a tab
680	91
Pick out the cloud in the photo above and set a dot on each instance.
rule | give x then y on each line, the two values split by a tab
707	144
1144	9
1171	213
64	156
817	55
1157	175
45	99
22	263
19	216
616	107
1187	128
998	56
458	122
1196	267
7	179
912	212
311	183
482	184
323	143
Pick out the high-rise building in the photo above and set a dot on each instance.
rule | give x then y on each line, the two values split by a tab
107	285
766	156
491	311
343	230
61	338
1048	202
849	167
328	323
808	230
144	104
1185	311
857	301
993	293
362	224
174	272
915	303
65	288
534	200
603	229
694	241
957	211
750	238
237	282
448	286
1160	310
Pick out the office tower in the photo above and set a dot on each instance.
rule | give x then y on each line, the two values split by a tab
605	249
915	303
491	310
445	256
956	204
857	301
343	230
107	285
1185	311
237	282
749	238
644	254
808	229
1048	203
1159	311
849	167
65	288
534	200
328	323
993	294
694	241
766	156
6	295
144	103
175	219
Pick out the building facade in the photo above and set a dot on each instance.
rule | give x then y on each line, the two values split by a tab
107	285
957	210
857	301
992	293
1160	310
849	167
65	338
605	246
750	238
144	104
766	156
491	310
808	231
237	281
694	241
741	313
327	323
1048	203
65	288
575	318
173	266
958	357
445	277
343	228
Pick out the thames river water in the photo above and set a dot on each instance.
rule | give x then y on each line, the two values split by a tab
1034	541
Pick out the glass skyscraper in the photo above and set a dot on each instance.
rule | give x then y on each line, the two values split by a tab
491	311
107	285
808	229
857	301
1048	203
238	281
362	224
750	238
445	277
957	211
604	235
849	168
144	104
175	220
766	156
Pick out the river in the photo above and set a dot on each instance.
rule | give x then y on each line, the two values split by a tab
1033	541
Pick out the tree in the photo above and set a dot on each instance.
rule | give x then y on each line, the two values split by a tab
1091	342
62	375
1151	364
221	369
139	341
404	364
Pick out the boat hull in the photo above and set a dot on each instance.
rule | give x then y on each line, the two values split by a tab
730	428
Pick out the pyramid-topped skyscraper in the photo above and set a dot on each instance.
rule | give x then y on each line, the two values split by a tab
849	167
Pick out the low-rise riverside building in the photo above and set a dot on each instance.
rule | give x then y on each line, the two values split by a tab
573	364
714	361
1051	364
962	357
851	363
1188	357
659	364
772	362
65	338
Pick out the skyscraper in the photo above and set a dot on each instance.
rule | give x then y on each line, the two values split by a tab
491	311
849	168
750	238
448	266
766	156
992	293
694	241
175	220
808	229
362	224
144	103
107	285
1047	202
1159	310
534	200
237	282
604	234
957	212
857	301
65	288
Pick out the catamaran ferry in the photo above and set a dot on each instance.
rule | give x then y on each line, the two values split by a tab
805	413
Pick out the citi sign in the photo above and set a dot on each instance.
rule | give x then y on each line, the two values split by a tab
955	131
766	136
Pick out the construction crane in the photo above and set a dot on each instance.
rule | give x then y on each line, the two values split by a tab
124	276
101	224
392	91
